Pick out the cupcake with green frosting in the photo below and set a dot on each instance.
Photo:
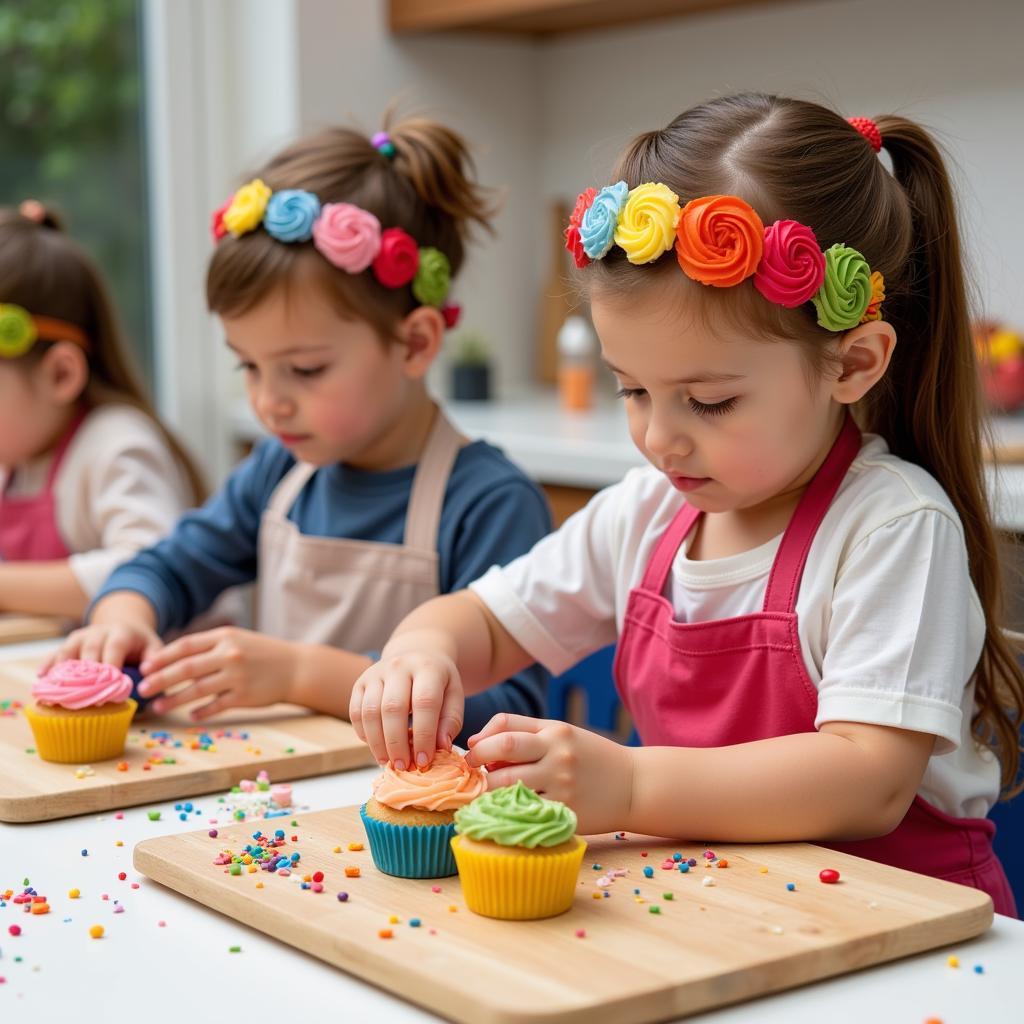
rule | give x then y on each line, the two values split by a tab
518	854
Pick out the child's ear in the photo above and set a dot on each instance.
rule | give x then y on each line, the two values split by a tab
64	372
422	332
864	355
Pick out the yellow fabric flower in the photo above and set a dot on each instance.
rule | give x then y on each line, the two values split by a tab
874	310
647	224
246	209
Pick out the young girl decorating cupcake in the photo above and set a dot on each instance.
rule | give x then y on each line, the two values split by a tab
331	275
803	583
88	473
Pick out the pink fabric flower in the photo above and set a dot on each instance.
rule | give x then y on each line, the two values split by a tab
347	236
792	266
81	684
398	260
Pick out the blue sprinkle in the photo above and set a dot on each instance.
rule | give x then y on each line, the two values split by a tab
978	969
636	892
677	856
85	853
596	867
177	807
414	922
683	866
279	833
790	886
257	834
188	806
183	816
648	872
605	893
305	885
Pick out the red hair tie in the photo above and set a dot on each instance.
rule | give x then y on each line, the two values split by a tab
869	130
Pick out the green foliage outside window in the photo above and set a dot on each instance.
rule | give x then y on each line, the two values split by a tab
72	134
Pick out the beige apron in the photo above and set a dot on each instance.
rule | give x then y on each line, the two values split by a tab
352	593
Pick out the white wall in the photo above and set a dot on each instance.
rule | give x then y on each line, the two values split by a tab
351	67
958	67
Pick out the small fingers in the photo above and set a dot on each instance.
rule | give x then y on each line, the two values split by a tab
204	687
370	720
394	715
508	748
194	667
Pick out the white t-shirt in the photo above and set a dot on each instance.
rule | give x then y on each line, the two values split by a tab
118	490
889	622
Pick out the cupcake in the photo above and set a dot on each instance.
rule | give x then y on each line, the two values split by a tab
518	854
81	713
409	820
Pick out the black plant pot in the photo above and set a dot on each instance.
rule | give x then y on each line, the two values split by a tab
471	382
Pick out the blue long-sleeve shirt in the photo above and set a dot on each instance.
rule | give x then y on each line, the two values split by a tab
492	513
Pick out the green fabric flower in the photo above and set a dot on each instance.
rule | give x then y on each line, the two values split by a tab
516	816
17	331
433	277
845	293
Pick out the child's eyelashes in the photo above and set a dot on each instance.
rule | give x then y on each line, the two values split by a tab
712	408
245	367
700	408
308	371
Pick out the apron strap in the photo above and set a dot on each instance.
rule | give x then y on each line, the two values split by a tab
62	447
788	568
426	500
287	490
665	550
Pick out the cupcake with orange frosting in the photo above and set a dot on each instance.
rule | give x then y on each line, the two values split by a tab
81	713
518	854
409	819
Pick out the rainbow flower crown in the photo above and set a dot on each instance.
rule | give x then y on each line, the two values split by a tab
721	241
347	236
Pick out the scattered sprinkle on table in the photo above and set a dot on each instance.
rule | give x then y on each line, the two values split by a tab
978	969
385	933
234	949
96	931
581	933
708	882
153	815
829	876
953	961
790	886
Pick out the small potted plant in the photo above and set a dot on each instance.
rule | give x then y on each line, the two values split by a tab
471	367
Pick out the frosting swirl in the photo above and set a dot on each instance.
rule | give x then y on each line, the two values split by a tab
398	258
447	784
433	277
516	816
719	240
290	215
245	211
845	293
573	242
647	224
792	266
81	684
597	226
347	236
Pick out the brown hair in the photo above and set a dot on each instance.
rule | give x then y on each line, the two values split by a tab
45	272
427	188
793	159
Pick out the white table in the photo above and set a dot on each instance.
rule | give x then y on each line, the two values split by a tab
183	971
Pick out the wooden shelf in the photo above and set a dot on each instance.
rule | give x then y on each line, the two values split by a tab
540	17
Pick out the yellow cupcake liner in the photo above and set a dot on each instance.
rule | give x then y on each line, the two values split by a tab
518	886
79	737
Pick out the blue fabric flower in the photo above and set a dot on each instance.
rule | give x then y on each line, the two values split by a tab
597	229
290	215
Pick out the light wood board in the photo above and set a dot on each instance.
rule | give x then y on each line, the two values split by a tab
35	790
19	629
745	937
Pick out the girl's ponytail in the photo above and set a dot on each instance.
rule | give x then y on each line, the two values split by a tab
930	410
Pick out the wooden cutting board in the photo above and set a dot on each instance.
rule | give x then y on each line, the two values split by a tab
287	741
706	947
18	629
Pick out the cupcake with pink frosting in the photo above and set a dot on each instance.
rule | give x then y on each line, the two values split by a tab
81	713
409	821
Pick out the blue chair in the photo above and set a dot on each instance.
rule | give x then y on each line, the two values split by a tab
592	683
1009	844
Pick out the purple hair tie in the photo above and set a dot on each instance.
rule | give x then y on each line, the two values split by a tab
381	142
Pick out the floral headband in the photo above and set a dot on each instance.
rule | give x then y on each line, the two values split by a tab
20	330
721	241
347	236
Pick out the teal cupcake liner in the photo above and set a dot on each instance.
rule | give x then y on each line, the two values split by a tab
410	851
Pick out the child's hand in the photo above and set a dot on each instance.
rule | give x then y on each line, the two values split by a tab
426	685
109	643
591	774
234	667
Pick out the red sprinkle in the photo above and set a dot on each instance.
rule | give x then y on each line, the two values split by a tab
121	876
829	876
318	876
15	929
581	933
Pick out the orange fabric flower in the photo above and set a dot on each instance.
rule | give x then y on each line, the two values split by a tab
719	240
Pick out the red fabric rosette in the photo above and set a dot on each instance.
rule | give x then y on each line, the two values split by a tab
398	260
792	266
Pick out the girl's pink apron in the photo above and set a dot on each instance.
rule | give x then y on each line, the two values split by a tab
28	526
714	684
